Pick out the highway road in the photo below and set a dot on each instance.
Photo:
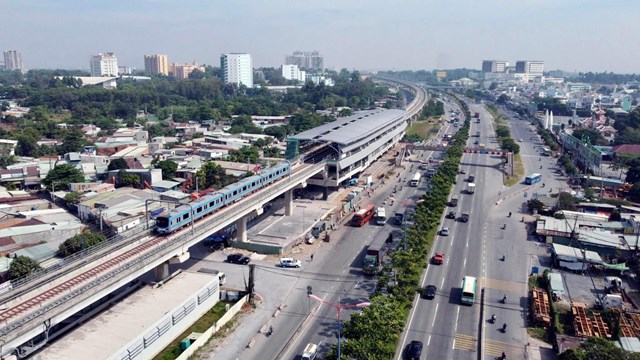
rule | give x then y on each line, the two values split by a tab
448	329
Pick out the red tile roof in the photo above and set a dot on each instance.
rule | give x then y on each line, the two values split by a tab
627	149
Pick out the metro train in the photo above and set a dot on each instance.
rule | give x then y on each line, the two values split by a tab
182	215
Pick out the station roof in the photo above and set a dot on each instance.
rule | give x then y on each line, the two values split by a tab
351	128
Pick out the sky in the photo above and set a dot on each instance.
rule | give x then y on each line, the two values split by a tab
368	35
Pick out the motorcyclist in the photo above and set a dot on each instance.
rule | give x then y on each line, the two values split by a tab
504	298
504	327
509	213
493	318
270	330
504	356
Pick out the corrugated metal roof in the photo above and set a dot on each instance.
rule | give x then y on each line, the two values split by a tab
347	130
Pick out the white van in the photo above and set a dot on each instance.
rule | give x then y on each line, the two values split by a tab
310	352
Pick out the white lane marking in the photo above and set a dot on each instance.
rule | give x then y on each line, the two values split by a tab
429	340
464	265
457	316
434	317
441	284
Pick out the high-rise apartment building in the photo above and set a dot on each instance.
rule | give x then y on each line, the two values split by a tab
156	65
13	60
237	69
533	68
494	66
104	65
311	60
293	72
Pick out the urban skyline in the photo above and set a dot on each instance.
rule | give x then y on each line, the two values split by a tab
454	34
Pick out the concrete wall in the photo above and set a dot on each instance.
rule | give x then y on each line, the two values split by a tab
213	329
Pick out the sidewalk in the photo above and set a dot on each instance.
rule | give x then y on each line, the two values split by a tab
539	350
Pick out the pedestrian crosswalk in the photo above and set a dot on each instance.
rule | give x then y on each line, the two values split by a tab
505	286
465	342
495	348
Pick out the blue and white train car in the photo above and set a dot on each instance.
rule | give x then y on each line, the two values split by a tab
181	216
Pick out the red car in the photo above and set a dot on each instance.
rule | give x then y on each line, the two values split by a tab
438	258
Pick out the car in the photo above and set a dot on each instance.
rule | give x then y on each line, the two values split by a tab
464	217
438	258
414	351
463	171
444	231
429	291
451	215
238	258
520	140
476	142
471	178
290	262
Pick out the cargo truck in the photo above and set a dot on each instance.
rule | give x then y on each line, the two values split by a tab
373	257
476	115
471	188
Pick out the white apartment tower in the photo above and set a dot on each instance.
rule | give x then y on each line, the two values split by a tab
13	60
237	68
104	65
156	65
292	72
531	67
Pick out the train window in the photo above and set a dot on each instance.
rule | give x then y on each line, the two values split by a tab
199	209
185	216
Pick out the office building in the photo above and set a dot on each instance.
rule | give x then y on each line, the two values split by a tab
311	60
237	69
182	71
156	65
533	68
494	66
104	65
293	72
13	60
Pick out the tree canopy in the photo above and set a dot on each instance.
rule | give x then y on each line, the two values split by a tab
22	266
61	176
80	242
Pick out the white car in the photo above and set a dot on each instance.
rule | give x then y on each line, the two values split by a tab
290	262
444	231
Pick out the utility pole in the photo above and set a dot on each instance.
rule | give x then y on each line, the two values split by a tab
251	283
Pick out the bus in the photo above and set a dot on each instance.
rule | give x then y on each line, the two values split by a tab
415	180
468	290
532	179
381	216
363	215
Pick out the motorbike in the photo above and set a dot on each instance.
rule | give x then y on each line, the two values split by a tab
493	318
509	214
504	299
504	226
504	328
504	356
270	331
504	257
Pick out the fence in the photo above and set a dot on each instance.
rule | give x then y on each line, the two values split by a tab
213	329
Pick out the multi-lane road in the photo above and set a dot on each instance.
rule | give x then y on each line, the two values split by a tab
453	331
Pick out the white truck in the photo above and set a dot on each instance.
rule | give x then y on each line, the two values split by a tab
310	352
471	188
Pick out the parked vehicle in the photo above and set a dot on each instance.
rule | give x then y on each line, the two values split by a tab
290	262
310	352
397	218
238	258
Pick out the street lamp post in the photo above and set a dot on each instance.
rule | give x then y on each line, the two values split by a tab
339	308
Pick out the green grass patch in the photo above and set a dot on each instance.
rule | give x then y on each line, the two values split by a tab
539	333
205	322
421	129
518	171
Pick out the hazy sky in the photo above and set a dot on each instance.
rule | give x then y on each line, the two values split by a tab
582	35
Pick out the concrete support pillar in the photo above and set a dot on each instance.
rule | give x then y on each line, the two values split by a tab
241	229
288	202
325	193
161	271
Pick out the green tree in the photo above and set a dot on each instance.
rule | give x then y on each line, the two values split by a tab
212	174
61	176
80	242
22	266
129	179
344	112
6	160
633	173
246	154
621	162
117	164
502	131
168	167
592	136
566	201
634	193
535	204
73	141
510	145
